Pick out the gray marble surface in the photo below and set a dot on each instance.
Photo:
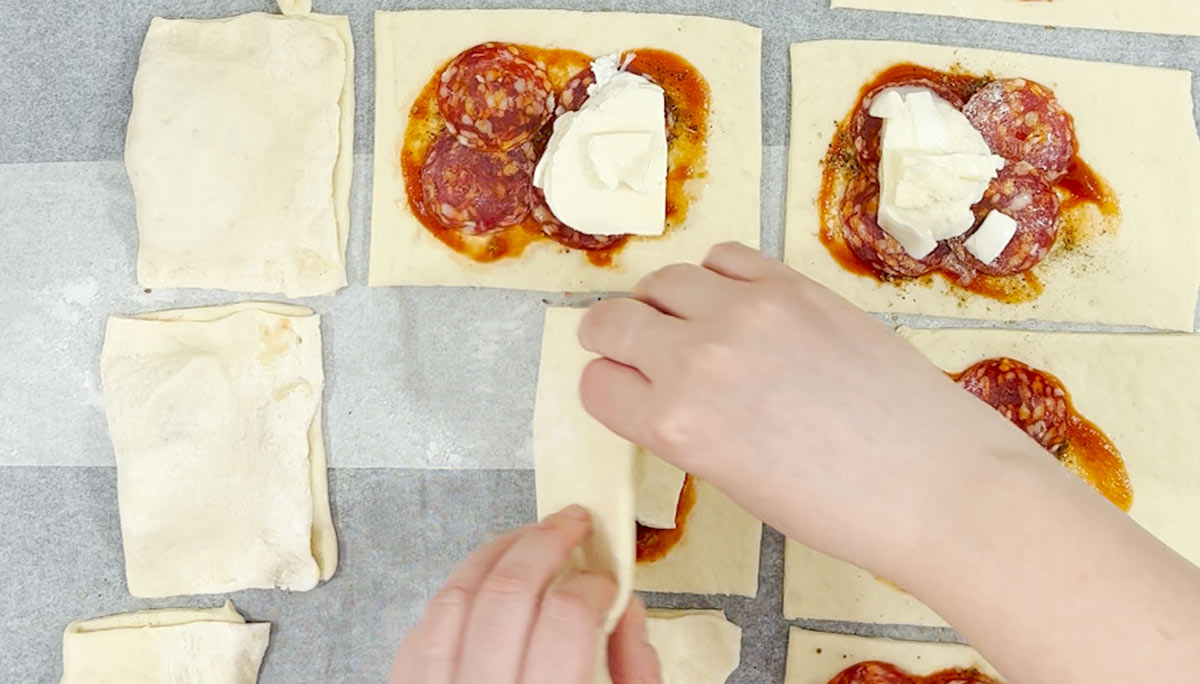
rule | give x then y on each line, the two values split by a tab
430	454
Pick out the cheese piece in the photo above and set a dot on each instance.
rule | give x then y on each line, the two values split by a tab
934	167
213	645
694	646
992	237
658	487
604	171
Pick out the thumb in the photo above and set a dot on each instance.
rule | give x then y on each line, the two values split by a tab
631	658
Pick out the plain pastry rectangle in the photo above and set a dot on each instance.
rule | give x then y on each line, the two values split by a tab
215	419
818	657
578	461
1139	389
412	46
1145	16
240	152
1135	128
213	646
694	646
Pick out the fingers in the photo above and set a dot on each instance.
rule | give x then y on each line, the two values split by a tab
618	396
684	290
630	332
737	261
631	658
430	652
507	600
565	643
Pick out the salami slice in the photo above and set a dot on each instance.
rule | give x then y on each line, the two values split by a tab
1034	401
1022	121
872	672
564	234
957	676
1023	193
575	93
477	191
882	252
866	130
493	97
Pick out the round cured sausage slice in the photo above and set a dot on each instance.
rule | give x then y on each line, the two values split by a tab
477	191
1022	121
493	97
575	93
1034	401
564	234
870	243
1023	194
872	672
866	130
957	676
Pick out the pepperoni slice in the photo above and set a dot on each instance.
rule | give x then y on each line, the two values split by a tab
493	97
477	191
1034	401
1023	121
563	234
872	244
866	130
575	93
1023	193
957	676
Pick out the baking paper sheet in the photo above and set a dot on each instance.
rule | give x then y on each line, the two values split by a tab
429	393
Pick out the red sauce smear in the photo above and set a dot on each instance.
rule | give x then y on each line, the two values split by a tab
877	672
1081	185
1086	451
654	544
687	102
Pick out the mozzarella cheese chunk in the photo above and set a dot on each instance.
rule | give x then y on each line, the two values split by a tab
604	171
659	485
934	166
992	237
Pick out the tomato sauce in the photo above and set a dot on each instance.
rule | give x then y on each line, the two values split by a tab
687	102
654	544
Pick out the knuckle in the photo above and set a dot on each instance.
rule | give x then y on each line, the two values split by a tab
509	581
450	599
567	609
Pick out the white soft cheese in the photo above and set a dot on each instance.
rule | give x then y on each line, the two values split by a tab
604	171
993	235
935	165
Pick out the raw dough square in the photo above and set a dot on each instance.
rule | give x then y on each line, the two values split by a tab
577	460
718	554
1139	389
1146	16
817	657
694	646
215	419
1135	128
411	46
213	645
239	150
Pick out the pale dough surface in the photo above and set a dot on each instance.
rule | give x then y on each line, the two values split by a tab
718	553
214	415
694	646
817	657
1139	389
1145	16
1135	128
240	150
577	460
658	487
173	646
412	46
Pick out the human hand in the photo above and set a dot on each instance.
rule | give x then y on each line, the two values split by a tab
805	410
494	622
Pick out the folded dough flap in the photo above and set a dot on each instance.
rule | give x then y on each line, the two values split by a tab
579	461
213	644
659	485
694	646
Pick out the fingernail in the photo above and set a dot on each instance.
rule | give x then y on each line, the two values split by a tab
575	512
